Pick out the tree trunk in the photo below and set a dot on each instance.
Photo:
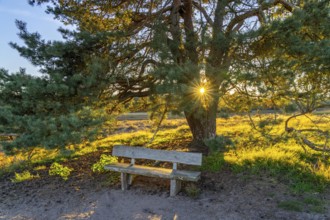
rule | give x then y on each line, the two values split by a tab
201	116
202	123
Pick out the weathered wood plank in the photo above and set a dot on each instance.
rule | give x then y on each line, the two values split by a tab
186	175
154	171
131	177
175	187
161	155
124	181
8	134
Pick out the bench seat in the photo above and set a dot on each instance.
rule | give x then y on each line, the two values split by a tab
154	171
176	176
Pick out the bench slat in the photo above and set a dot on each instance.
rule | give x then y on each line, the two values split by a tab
161	155
154	171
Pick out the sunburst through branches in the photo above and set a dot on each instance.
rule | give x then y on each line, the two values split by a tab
201	93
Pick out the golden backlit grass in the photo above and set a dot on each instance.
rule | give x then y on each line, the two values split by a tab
263	149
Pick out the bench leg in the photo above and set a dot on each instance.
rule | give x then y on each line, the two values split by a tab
130	179
124	181
175	187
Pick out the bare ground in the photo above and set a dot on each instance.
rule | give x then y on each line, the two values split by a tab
223	195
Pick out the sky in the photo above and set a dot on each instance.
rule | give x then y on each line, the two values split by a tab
37	21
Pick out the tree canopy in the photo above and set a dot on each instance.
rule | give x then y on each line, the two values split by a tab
166	51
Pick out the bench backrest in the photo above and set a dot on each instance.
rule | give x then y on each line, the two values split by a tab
160	155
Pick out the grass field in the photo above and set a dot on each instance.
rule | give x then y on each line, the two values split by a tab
266	149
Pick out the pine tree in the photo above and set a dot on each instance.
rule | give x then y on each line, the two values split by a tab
289	61
62	106
167	50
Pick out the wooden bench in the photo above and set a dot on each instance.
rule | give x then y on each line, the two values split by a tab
175	175
8	136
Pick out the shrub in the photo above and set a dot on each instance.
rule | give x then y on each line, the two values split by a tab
192	190
104	160
218	143
60	170
26	175
213	162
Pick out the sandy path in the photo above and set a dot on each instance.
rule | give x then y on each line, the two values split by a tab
224	195
137	204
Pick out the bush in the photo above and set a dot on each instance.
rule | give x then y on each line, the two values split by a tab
104	160
218	143
60	170
192	190
213	162
26	175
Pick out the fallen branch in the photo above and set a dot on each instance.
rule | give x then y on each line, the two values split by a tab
304	139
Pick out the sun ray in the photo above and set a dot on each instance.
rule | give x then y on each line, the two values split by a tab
201	93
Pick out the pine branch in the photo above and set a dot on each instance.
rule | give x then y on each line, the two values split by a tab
256	12
203	11
299	134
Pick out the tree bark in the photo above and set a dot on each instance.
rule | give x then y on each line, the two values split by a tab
202	122
191	37
201	117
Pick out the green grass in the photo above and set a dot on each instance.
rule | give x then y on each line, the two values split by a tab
310	204
291	205
192	190
313	201
275	154
112	179
213	162
282	157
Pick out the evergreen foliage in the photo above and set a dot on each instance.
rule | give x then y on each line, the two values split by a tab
162	53
289	60
62	106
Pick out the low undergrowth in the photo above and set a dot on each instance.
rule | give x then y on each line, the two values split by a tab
24	176
265	149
